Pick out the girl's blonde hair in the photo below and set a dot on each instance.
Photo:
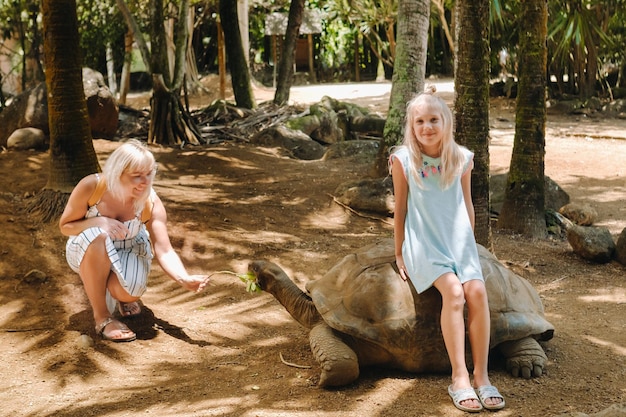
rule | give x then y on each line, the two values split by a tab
131	156
451	155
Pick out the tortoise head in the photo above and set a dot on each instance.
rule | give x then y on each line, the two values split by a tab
266	273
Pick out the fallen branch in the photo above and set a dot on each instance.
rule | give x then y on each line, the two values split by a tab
35	329
356	212
292	364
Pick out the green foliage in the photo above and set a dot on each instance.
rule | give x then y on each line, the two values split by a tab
100	25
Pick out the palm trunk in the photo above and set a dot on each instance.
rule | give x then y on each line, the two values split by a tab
523	210
72	155
471	84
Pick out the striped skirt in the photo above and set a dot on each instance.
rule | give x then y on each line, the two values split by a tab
130	259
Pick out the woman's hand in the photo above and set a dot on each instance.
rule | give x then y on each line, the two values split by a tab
116	229
195	283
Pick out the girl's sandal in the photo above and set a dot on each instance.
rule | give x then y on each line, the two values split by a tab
121	328
489	391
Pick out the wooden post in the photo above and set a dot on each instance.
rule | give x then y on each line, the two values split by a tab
312	75
221	59
274	53
357	66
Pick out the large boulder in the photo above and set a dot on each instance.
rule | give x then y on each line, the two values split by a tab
30	109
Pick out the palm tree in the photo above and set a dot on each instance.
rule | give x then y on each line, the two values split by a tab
523	210
239	72
409	71
471	84
72	155
287	57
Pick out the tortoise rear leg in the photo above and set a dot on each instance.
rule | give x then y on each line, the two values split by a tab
339	363
524	357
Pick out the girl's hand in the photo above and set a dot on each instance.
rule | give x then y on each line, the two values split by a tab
401	268
195	283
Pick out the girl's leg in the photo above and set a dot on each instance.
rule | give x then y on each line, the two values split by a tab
478	325
453	330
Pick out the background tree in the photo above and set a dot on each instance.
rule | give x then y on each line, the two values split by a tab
72	155
523	210
239	71
288	54
409	72
170	122
471	104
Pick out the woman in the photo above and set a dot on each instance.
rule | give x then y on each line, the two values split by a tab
116	223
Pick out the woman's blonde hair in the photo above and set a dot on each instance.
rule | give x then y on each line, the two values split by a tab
451	155
131	156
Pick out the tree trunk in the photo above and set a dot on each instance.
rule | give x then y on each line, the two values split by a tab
133	28
523	210
471	86
72	155
409	71
125	78
288	55
170	123
239	72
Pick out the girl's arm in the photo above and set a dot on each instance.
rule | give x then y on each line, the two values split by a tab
466	185
168	259
400	191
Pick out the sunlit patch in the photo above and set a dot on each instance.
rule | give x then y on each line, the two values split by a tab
606	295
620	350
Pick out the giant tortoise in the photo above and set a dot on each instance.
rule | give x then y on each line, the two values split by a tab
361	313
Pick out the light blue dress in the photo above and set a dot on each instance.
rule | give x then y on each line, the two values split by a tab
438	235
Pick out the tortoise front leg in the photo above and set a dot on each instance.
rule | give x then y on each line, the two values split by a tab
524	357
338	362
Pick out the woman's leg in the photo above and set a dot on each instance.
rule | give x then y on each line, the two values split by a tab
478	325
453	330
95	272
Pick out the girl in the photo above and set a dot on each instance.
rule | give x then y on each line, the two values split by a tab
114	221
434	240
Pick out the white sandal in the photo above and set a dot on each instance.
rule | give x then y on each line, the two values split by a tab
489	391
464	394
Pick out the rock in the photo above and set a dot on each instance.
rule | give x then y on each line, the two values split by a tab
27	138
30	109
35	276
363	151
84	341
556	197
298	144
592	243
101	105
580	214
620	248
371	195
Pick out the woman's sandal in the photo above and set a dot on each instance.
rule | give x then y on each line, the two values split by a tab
489	391
121	328
131	309
464	394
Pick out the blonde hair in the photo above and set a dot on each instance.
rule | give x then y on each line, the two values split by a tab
131	156
451	155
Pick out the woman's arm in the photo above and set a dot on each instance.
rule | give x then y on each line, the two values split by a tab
400	191
165	254
73	222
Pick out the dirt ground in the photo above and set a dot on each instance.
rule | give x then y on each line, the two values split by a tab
218	353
